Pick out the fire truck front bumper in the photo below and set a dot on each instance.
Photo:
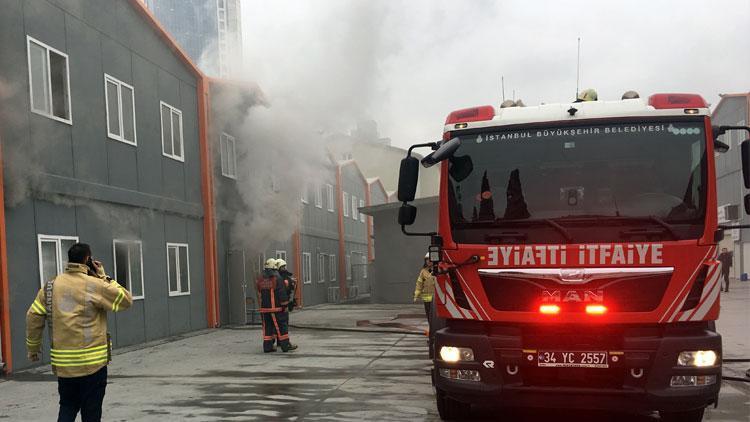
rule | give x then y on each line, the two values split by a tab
617	368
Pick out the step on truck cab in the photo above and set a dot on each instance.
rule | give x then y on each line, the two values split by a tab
576	256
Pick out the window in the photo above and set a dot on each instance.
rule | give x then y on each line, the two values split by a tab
361	216
171	132
348	267
128	268
281	255
332	265
329	196
321	268
178	269
304	196
355	211
228	156
306	268
120	104
346	204
49	81
318	197
53	253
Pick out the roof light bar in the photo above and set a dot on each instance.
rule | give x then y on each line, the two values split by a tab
667	101
473	114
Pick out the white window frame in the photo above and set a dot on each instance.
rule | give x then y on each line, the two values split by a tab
51	114
177	111
318	196
361	216
226	138
111	79
261	262
130	278
330	197
306	268
179	291
305	193
321	267
332	262
348	268
280	254
61	259
346	204
355	211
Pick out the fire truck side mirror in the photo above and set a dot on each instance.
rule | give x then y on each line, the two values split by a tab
745	151
407	214
408	176
446	151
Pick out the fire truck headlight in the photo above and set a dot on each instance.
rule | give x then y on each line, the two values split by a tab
698	358
456	354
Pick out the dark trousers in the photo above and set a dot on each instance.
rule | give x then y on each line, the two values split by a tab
275	328
428	311
84	394
726	280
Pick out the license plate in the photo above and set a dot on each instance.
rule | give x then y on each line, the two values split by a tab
558	359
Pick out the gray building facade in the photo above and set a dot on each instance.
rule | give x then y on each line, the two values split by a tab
734	110
398	258
100	137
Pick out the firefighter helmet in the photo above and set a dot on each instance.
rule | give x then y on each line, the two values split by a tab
630	95
280	263
587	95
270	264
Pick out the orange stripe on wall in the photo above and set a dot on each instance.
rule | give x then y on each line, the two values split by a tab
7	354
343	289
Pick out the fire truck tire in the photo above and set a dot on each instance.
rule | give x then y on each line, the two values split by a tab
688	416
450	409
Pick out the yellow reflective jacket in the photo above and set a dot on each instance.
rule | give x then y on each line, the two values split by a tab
425	288
80	304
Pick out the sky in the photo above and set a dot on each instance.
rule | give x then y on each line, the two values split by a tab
408	63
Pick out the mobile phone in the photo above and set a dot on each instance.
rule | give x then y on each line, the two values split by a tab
92	267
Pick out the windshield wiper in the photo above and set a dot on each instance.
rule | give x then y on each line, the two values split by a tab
560	229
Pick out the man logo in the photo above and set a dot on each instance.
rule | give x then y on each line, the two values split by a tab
489	364
479	139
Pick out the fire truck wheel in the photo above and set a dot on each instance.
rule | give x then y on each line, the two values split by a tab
689	416
451	410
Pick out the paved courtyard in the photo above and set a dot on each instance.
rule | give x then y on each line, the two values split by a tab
335	375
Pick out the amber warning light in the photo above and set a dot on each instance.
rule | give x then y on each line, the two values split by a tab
549	309
596	309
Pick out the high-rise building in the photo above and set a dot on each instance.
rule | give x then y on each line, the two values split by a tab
210	31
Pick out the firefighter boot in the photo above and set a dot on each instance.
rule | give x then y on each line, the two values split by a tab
289	348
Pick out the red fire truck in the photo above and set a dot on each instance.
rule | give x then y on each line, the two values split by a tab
575	256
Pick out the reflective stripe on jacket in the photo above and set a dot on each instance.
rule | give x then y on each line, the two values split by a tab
80	304
425	287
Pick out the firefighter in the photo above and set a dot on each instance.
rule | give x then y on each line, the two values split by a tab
289	282
425	288
273	303
74	306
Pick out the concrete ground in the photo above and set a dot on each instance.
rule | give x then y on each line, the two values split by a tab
341	372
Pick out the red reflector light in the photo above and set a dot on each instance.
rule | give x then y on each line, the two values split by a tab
549	309
474	114
664	101
596	309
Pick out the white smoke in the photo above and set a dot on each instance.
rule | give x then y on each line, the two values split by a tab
317	84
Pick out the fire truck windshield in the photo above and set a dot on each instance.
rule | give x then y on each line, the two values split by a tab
596	183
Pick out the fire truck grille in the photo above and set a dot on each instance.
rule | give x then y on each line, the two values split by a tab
627	294
574	377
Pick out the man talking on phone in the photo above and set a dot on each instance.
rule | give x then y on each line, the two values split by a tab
74	306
